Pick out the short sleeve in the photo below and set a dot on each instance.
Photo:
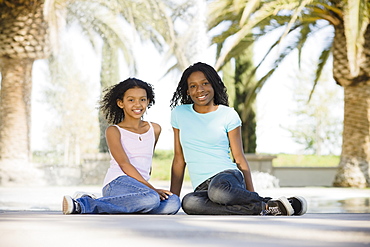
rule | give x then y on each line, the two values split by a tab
174	118
234	120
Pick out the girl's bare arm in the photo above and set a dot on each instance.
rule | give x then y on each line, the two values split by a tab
114	143
237	151
178	165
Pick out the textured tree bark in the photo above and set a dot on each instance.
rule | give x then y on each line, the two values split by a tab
353	168
24	37
15	109
355	158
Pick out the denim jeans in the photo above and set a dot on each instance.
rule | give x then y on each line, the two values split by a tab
126	195
223	194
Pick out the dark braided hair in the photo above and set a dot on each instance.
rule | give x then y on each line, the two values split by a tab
181	96
108	104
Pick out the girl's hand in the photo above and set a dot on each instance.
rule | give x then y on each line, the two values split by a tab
163	194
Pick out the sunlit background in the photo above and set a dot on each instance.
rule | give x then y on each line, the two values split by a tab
66	89
277	102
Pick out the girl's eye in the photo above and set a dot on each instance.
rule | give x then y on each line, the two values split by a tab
192	86
143	99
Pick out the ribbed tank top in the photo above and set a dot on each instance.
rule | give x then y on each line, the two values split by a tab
139	149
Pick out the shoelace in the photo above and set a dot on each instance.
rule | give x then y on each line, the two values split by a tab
271	211
77	207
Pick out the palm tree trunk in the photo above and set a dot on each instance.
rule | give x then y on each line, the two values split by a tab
353	168
15	110
109	75
243	84
24	38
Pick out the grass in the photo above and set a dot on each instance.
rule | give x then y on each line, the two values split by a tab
161	167
306	160
162	161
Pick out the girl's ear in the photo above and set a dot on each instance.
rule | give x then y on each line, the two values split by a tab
120	103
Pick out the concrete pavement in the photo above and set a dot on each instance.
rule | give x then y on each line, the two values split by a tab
50	228
31	216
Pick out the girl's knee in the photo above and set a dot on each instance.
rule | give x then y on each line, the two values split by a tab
174	200
168	206
150	201
220	193
191	204
173	204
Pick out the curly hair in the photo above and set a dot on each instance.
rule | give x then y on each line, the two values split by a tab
181	96
108	103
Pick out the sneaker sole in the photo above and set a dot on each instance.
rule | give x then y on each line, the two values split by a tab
287	205
303	203
67	205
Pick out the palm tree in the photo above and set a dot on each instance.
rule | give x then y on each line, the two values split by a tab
147	19
348	43
24	37
27	30
238	79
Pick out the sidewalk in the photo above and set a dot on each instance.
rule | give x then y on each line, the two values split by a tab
335	217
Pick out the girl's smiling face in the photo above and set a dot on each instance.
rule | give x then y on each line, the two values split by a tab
200	89
134	102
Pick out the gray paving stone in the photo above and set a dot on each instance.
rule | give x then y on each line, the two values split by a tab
31	216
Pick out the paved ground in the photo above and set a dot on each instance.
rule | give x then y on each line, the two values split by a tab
32	217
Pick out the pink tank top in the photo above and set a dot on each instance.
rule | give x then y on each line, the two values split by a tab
139	149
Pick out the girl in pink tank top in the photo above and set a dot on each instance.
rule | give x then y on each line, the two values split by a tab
131	143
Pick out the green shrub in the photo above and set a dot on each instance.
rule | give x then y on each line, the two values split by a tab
162	162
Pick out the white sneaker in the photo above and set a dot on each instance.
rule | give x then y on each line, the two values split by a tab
70	206
80	194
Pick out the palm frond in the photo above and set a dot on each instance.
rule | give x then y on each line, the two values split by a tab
304	32
265	11
356	20
282	55
322	62
294	16
248	10
97	19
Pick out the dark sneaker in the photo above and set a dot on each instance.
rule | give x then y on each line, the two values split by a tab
70	206
299	205
280	206
266	199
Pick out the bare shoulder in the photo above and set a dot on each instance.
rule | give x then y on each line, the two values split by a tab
157	128
112	131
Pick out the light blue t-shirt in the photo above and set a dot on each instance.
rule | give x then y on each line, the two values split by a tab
204	140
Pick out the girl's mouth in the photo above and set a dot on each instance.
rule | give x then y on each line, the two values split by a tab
202	97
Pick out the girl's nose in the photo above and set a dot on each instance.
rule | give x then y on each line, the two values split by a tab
200	88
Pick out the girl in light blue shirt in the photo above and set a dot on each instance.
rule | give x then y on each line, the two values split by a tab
207	133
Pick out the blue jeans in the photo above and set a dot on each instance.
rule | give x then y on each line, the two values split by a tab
223	194
126	195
